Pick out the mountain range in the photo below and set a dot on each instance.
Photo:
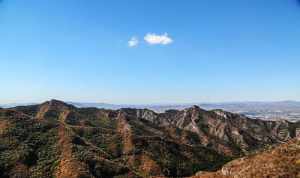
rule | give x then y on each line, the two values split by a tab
288	110
58	139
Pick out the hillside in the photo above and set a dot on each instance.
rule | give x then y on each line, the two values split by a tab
281	161
55	139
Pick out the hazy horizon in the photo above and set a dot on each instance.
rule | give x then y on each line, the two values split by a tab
150	104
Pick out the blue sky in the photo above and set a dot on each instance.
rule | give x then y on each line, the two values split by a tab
182	51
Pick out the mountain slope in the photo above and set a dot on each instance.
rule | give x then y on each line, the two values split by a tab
58	139
229	134
281	161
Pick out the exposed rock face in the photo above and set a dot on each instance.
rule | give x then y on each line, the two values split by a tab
228	133
57	139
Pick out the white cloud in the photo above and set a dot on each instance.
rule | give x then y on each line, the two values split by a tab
154	39
134	41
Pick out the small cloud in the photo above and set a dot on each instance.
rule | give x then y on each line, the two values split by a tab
134	41
154	39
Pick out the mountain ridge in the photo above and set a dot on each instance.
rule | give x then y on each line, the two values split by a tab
91	142
288	110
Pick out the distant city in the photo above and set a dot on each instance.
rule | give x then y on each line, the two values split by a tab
288	110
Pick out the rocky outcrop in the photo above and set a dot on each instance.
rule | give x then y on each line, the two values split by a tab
228	133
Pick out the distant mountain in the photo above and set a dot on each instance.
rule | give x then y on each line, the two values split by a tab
10	105
97	105
155	107
56	139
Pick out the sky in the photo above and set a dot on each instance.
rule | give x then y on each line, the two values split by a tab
149	51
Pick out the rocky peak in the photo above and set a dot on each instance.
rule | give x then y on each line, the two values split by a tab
194	108
57	104
53	108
